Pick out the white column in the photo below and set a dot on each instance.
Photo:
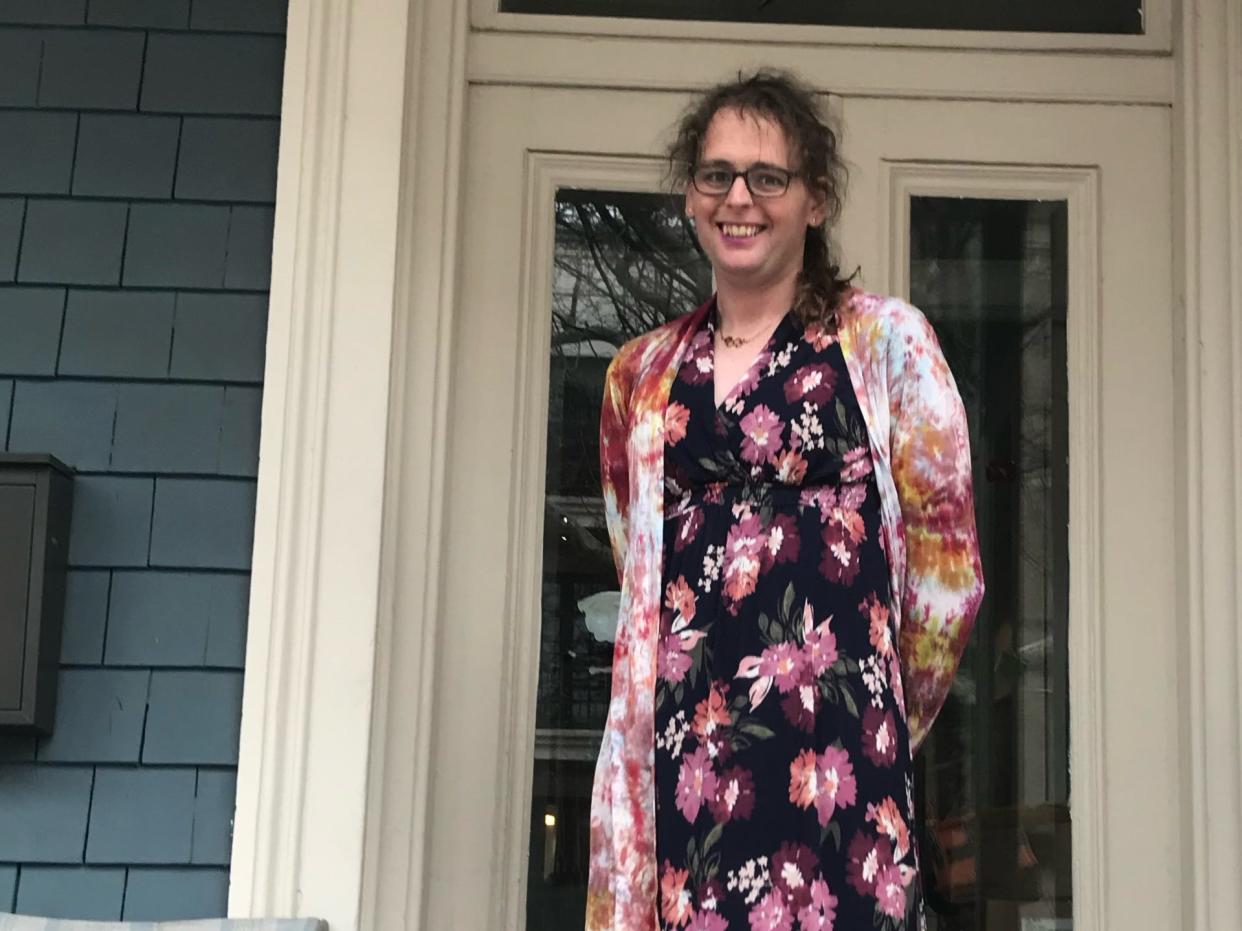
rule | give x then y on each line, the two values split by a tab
1209	120
339	263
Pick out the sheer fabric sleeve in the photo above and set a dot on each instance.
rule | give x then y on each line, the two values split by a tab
932	473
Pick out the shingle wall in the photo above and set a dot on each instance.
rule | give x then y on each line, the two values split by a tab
137	178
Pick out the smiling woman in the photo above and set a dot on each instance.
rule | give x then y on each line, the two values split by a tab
768	463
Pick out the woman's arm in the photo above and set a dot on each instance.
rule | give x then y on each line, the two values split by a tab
932	473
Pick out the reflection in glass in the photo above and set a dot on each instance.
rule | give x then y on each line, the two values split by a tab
1120	17
993	777
623	264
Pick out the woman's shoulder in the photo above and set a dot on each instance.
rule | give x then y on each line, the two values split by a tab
884	323
641	352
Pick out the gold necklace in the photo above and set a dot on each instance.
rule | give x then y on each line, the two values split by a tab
737	342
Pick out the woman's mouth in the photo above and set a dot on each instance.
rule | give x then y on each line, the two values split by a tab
740	230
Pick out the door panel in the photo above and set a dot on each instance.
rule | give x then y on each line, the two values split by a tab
1025	230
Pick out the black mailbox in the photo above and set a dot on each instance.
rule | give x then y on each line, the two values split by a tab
36	498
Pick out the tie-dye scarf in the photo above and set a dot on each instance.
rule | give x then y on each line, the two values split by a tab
920	448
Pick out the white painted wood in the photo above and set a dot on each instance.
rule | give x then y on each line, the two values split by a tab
560	59
485	16
302	783
522	143
1209	183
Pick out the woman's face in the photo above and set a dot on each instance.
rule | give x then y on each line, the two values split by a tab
752	242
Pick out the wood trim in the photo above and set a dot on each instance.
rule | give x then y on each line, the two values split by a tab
396	867
486	15
302	780
1209	142
693	62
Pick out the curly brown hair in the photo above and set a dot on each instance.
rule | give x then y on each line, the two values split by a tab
791	105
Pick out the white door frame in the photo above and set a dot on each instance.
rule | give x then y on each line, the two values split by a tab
332	785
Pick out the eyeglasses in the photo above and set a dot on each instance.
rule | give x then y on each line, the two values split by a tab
716	178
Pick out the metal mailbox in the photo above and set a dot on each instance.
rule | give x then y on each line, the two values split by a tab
36	499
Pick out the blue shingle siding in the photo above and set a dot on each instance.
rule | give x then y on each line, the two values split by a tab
117	334
12	212
125	155
213	816
99	717
137	176
142	816
20	54
43	812
30	320
36	151
207	73
73	242
86	613
155	14
193	718
175	894
65	12
94	893
90	69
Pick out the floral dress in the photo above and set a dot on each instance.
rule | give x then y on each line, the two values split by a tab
782	770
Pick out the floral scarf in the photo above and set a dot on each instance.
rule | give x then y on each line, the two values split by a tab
919	445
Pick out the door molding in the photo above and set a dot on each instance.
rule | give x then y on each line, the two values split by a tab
1208	179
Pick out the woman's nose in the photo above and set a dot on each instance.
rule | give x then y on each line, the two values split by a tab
739	193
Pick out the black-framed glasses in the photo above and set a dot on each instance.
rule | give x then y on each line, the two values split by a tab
716	178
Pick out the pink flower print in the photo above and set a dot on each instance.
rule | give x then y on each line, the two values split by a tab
698	367
814	383
879	736
710	895
842	534
821	913
803	779
676	419
836	786
800	707
748	668
712	713
823	498
679	597
695	783
762	430
888	821
771	914
793	867
790	467
783	663
672	663
707	921
856	464
743	557
783	542
890	892
880	633
868	856
674	896
688	526
819	335
750	380
819	643
735	796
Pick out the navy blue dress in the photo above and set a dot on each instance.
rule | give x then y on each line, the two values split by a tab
783	797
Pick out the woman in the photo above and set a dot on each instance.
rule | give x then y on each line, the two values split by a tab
787	480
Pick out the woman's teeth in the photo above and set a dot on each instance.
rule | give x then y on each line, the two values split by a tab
740	230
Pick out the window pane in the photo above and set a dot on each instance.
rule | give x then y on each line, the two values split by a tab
624	263
993	777
1123	17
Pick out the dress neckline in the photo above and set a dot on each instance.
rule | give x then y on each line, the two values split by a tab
751	374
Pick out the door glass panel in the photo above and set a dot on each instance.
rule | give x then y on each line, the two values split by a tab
993	777
623	264
1120	17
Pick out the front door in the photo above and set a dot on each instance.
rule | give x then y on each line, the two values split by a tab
1034	236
